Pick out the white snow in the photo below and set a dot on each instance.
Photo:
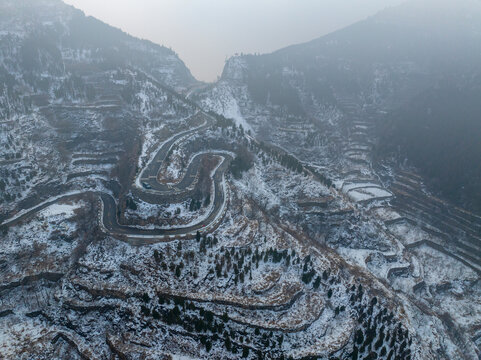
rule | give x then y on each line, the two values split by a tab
148	143
60	209
348	186
24	211
408	233
387	214
185	218
223	102
369	193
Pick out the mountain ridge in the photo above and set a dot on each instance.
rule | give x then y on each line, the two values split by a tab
386	61
247	218
72	27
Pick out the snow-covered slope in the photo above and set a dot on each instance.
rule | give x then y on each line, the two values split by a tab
337	102
48	34
76	97
307	246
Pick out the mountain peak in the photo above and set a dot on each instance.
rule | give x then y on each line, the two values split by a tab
64	26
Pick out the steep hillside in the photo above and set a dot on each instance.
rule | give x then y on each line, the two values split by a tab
383	60
439	132
386	110
78	97
367	77
48	36
137	224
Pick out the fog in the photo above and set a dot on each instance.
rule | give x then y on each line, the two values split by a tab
204	33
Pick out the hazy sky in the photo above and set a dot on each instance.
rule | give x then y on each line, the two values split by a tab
205	32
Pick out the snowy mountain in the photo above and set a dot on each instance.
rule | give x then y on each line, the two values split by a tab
387	110
72	85
48	36
261	217
384	63
398	89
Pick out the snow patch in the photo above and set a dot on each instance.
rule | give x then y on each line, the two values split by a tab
60	209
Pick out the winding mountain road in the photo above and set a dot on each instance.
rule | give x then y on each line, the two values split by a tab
148	188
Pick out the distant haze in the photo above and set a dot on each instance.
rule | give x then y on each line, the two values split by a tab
206	32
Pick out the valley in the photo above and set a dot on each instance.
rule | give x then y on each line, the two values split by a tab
146	215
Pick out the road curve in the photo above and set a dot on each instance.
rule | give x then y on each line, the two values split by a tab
221	195
108	216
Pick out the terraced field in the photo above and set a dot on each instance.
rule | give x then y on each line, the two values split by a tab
457	230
